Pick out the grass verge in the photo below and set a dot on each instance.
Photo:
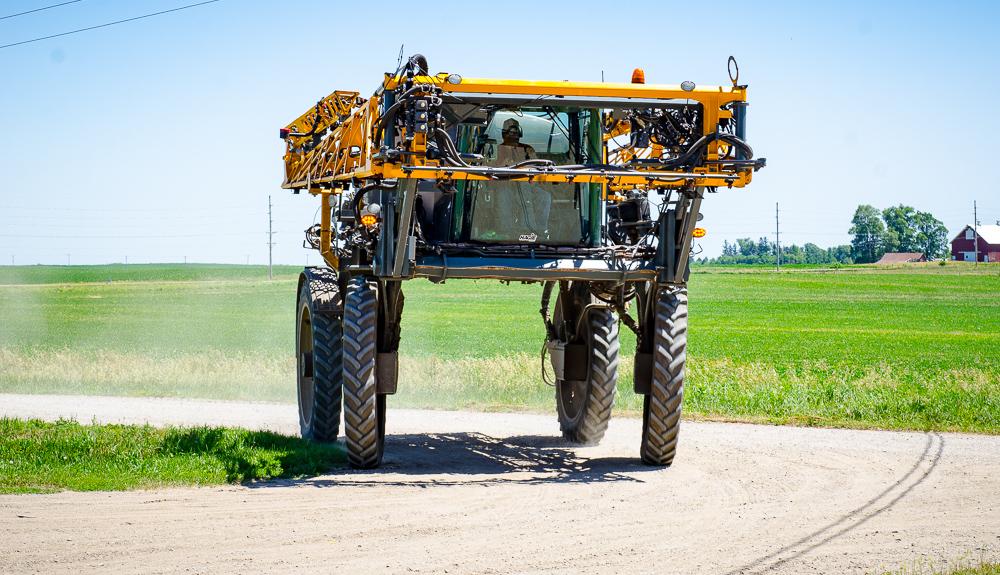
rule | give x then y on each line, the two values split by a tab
886	396
984	569
40	457
881	396
963	567
211	374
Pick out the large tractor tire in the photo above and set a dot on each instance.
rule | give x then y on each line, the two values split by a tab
584	406
364	410
318	350
661	413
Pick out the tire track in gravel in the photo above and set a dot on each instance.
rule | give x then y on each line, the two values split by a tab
501	493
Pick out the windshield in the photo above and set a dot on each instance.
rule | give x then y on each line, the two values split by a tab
528	212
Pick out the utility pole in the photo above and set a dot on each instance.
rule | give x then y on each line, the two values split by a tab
67	261
777	236
975	228
270	241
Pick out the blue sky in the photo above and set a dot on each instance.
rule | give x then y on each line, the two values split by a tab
157	139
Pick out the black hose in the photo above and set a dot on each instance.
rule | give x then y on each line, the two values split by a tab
546	296
452	154
390	112
535	162
698	147
315	124
363	191
421	63
605	167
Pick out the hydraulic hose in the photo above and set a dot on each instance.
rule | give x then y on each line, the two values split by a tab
390	113
698	147
546	296
361	193
535	162
452	154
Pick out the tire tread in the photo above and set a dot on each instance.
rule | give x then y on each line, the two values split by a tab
662	408
603	349
361	426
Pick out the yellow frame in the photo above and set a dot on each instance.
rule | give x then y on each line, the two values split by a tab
348	153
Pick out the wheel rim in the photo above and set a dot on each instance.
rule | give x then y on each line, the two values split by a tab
305	346
573	399
573	394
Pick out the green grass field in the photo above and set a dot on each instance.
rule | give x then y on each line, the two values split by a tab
39	457
908	347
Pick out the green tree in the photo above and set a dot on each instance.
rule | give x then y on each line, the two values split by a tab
842	254
764	247
901	229
747	247
815	254
931	237
869	235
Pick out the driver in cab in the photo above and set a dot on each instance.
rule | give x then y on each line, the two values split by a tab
529	204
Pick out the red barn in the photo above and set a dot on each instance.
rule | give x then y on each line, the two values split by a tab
963	247
902	258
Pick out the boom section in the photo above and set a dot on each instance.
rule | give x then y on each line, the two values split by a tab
654	136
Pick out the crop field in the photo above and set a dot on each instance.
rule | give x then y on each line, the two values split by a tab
909	347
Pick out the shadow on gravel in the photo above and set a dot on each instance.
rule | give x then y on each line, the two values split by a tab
477	459
893	494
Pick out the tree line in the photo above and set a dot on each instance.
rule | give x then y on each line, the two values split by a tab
874	233
764	252
896	229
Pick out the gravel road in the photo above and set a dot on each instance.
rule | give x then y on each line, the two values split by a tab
501	493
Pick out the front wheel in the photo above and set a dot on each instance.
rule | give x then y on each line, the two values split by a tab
661	413
585	406
318	372
364	410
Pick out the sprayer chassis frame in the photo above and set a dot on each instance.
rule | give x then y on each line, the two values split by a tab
395	261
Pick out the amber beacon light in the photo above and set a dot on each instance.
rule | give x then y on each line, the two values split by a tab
699	232
638	76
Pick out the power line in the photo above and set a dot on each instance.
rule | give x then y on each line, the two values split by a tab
214	224
154	219
270	241
114	249
109	24
975	227
128	237
777	237
38	9
147	210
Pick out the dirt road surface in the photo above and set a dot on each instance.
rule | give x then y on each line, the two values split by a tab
500	493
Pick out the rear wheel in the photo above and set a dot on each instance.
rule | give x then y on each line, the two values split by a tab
364	410
318	369
661	414
584	406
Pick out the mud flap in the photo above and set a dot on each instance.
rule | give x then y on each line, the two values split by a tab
386	372
569	360
642	381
